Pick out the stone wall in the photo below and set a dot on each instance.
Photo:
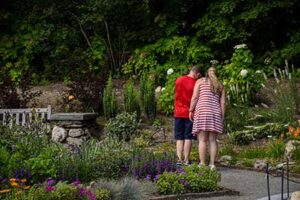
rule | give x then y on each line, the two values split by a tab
73	128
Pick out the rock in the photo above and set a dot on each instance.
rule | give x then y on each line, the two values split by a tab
264	105
239	163
290	148
58	134
225	160
295	195
76	132
74	141
260	164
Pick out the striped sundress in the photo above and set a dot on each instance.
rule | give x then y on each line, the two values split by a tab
207	114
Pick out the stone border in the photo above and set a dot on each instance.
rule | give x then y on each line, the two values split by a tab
222	192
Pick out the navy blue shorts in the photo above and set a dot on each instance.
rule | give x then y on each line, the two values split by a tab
183	129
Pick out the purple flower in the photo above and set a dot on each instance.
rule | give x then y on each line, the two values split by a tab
50	188
156	177
199	174
51	182
138	158
82	191
91	195
180	170
4	180
186	184
76	182
148	177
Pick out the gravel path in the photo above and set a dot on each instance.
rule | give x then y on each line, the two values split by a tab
251	185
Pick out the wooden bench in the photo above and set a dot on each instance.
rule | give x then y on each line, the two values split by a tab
23	116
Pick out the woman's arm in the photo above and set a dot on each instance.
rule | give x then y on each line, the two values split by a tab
223	102
194	99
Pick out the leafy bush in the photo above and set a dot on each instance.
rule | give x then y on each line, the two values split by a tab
131	101
103	194
109	100
239	78
147	96
123	127
189	179
16	94
87	88
251	133
276	148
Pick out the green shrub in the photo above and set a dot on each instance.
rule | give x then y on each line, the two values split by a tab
276	148
123	127
189	179
42	166
252	153
131	101
65	191
147	96
109	100
103	194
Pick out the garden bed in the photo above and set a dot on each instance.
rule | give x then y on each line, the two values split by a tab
222	192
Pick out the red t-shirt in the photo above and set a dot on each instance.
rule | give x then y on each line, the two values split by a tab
184	86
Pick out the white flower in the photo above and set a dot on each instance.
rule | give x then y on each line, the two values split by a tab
158	89
240	46
162	89
214	62
258	72
244	72
170	71
268	60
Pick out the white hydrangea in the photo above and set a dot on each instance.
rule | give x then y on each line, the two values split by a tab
214	62
240	46
244	72
158	89
170	71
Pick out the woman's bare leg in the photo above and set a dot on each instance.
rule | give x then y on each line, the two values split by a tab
213	147
202	138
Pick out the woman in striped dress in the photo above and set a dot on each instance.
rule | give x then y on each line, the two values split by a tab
207	111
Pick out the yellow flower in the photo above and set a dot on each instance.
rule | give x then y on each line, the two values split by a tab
24	180
71	97
14	184
4	191
12	180
19	191
27	187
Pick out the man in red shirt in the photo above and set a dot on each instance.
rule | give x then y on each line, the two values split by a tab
184	86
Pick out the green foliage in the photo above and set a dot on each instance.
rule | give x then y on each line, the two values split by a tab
276	148
251	133
65	191
42	166
189	179
239	78
109	100
286	98
147	96
131	100
103	194
123	127
173	52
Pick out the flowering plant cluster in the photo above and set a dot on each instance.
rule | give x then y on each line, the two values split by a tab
149	166
239	78
293	132
13	184
188	179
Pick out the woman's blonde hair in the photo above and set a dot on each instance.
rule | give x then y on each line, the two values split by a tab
215	86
